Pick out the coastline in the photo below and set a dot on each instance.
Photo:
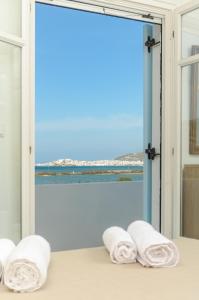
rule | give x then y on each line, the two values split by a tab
91	172
87	174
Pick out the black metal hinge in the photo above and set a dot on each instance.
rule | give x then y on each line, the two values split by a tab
148	16
151	43
151	152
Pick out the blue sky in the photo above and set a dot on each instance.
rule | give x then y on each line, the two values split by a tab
89	85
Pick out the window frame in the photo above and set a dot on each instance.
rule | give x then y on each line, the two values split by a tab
28	211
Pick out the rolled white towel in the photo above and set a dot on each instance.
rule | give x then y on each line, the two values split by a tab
6	247
27	266
120	245
154	250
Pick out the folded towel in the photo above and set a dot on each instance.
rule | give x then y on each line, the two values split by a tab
154	250
6	247
26	268
120	245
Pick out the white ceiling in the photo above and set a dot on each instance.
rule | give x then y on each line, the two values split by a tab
174	2
164	3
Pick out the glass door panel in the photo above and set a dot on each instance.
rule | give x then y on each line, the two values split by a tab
190	33
190	151
189	141
10	141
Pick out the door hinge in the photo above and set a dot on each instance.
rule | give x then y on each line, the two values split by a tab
149	16
173	34
30	150
151	152
151	43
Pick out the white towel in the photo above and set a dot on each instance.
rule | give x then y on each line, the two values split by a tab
6	247
120	245
27	266
154	250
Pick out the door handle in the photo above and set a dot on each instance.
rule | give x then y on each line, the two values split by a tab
151	152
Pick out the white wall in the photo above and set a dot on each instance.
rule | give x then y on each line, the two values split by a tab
10	11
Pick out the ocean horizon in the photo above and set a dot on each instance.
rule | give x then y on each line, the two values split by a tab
86	174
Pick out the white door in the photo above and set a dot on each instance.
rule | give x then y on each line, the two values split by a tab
152	123
186	37
11	45
15	144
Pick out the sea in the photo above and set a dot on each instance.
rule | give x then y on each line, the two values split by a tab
80	174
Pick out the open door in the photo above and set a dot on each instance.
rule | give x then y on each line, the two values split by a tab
11	45
152	123
186	177
96	191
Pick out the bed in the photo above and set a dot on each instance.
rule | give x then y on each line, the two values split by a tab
88	274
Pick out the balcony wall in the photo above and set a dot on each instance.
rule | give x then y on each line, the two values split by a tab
75	215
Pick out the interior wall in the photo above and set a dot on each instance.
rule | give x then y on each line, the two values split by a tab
10	13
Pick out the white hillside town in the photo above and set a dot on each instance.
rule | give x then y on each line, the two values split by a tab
71	162
130	159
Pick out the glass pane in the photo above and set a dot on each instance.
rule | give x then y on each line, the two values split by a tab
190	33
190	151
10	158
89	103
10	16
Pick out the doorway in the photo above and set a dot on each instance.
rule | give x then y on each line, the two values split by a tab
98	124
